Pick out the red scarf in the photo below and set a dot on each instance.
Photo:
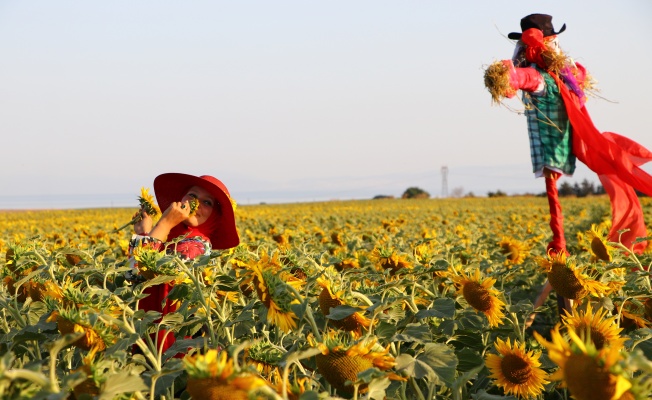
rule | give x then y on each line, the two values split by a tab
204	230
617	160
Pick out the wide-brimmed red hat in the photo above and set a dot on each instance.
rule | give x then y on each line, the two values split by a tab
171	187
542	22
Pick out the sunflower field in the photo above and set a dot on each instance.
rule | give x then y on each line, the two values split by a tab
379	299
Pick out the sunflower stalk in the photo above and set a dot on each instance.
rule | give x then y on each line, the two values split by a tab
127	326
360	296
520	331
202	300
223	318
307	314
633	256
14	310
37	378
416	387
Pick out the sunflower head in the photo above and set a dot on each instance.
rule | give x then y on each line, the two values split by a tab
95	337
265	357
212	375
480	294
333	295
426	251
343	357
151	262
600	247
588	373
596	327
147	203
633	314
270	283
569	279
387	259
336	238
514	251
13	255
516	370
194	205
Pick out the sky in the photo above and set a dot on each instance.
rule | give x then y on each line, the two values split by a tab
289	101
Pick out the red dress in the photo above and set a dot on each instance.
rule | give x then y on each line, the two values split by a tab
157	300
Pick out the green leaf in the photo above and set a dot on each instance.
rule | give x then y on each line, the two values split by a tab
309	395
469	359
180	292
385	330
441	359
415	368
36	310
414	333
157	281
341	312
466	377
172	319
442	308
376	389
483	395
448	327
122	382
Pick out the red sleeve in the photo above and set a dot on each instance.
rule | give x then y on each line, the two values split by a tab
527	79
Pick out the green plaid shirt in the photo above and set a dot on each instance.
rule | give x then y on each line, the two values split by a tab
549	129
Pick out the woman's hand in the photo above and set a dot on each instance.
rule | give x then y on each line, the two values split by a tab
144	225
175	214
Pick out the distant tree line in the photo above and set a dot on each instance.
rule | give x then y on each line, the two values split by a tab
583	189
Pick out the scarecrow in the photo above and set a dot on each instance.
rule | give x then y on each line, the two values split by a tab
561	131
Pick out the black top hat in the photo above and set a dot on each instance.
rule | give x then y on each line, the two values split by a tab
543	22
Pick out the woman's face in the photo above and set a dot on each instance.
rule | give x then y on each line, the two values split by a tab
206	205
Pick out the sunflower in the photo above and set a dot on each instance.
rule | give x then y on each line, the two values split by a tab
336	238
147	203
600	247
347	263
342	358
387	259
426	251
270	282
265	358
95	338
633	314
152	263
516	370
588	373
88	387
194	205
480	295
514	250
569	280
329	298
594	327
213	376
647	304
